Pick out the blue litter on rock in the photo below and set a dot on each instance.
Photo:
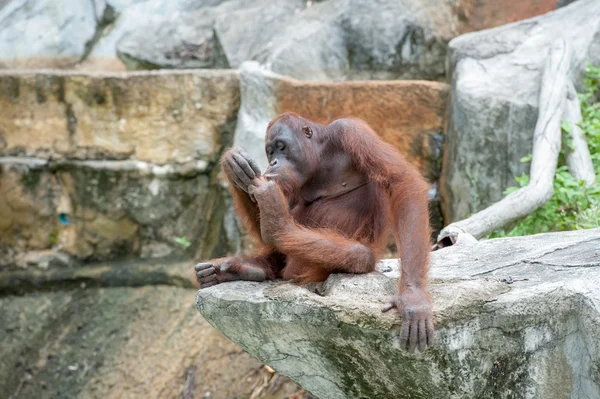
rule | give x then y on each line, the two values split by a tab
63	218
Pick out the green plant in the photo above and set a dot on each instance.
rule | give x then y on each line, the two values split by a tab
573	206
53	238
183	241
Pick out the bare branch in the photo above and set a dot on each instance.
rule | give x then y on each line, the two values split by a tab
578	154
546	147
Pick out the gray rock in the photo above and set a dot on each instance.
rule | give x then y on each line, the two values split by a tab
516	317
317	40
41	28
162	20
398	39
3	3
495	86
339	39
287	37
262	24
335	39
346	39
134	16
186	41
181	34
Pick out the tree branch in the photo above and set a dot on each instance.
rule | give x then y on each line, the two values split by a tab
546	147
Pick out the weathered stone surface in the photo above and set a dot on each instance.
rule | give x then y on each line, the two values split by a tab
135	17
407	114
189	36
356	39
119	343
93	210
98	166
42	29
313	40
183	42
398	39
296	40
516	317
495	88
158	117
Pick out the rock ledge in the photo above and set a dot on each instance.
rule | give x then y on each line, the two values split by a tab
516	317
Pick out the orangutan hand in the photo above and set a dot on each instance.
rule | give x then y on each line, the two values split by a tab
417	318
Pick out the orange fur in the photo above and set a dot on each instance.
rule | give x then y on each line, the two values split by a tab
346	233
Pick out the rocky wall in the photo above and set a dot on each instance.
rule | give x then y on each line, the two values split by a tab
312	40
96	167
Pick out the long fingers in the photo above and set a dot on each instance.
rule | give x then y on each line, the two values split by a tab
230	172
404	334
244	165
206	274
422	336
209	284
239	171
240	167
416	334
413	336
204	269
430	330
207	279
203	266
250	161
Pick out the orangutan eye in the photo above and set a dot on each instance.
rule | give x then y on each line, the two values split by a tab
280	146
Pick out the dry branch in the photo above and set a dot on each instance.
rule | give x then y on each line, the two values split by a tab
578	154
546	147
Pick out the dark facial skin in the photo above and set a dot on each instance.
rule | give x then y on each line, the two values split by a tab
287	153
287	158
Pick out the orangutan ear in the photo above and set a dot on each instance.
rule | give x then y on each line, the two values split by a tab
307	131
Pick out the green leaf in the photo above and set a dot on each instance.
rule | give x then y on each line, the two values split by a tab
567	127
183	241
526	158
